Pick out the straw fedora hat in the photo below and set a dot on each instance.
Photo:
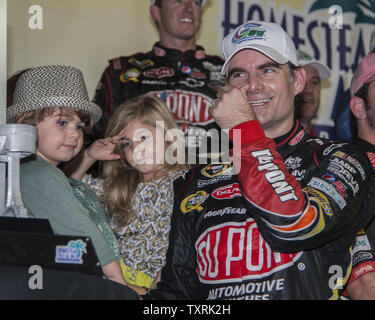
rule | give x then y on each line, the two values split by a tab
49	87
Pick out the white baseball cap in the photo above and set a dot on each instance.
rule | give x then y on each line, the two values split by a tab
203	2
266	37
304	59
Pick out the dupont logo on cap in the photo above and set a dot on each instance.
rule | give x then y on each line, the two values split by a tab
266	37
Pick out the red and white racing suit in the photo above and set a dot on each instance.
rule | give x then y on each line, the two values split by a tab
283	228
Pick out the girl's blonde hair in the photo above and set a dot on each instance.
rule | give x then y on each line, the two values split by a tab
120	179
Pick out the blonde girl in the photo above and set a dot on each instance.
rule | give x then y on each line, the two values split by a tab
138	188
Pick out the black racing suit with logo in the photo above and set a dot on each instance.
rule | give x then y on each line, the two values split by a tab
282	228
186	81
364	246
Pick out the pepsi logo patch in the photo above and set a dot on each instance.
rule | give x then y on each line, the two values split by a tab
329	177
186	70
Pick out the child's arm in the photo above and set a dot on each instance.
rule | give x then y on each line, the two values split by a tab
113	272
101	149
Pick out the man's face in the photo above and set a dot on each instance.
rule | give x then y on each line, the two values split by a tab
271	89
370	108
179	19
310	95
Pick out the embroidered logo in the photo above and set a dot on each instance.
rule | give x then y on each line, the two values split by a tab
216	169
72	253
193	202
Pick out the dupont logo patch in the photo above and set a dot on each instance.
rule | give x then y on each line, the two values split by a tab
187	107
227	192
237	251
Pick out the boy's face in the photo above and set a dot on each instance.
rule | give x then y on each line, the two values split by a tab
60	137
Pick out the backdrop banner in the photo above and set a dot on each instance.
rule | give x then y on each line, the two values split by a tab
338	33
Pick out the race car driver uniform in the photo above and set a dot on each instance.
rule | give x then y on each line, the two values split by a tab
280	229
364	246
186	81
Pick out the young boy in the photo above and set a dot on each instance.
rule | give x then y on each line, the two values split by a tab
55	100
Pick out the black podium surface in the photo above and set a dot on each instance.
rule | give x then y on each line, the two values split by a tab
67	266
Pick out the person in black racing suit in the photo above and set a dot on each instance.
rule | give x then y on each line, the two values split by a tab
280	228
361	284
175	70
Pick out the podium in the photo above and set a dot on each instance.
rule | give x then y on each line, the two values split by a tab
26	242
67	266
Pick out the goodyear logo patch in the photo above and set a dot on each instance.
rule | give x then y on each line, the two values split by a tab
250	31
194	202
321	200
328	189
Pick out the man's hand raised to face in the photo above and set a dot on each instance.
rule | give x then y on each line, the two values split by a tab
232	107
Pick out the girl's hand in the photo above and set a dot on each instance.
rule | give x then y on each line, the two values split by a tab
103	149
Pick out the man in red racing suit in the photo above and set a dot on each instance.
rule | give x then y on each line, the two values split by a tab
282	228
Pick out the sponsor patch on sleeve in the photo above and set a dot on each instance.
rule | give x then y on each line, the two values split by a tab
329	190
